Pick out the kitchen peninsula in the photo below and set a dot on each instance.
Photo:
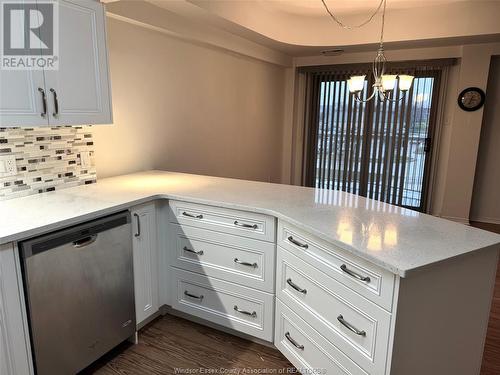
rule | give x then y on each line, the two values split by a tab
332	279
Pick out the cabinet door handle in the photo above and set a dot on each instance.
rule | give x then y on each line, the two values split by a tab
252	314
56	103
254	265
244	225
297	243
44	102
138	225
293	342
350	327
185	248
295	286
354	274
193	216
186	293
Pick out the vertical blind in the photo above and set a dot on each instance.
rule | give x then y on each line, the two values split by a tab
380	150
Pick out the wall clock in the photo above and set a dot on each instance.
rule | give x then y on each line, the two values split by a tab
471	99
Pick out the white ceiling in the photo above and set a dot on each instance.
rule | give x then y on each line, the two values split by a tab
315	7
302	27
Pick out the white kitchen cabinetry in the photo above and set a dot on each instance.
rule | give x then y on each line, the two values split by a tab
146	256
325	306
222	265
240	260
243	309
342	313
15	349
78	92
22	98
81	83
306	348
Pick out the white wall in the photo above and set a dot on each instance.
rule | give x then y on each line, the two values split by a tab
486	196
186	107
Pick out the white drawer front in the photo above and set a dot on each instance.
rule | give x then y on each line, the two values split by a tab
240	260
224	220
355	325
338	263
307	349
244	309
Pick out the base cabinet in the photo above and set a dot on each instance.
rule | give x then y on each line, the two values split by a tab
222	266
325	309
307	349
15	349
146	255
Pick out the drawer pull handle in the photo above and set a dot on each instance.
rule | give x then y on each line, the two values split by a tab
294	343
295	286
254	265
192	216
252	314
297	243
244	225
350	327
186	293
354	274
192	251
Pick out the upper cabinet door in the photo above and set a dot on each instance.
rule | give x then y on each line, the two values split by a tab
78	92
23	98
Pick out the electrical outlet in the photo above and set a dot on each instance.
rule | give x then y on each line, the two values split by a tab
8	165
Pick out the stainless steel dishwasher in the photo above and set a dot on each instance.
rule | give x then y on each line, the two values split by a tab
79	289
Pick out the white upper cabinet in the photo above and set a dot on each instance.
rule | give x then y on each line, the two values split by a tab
78	91
23	100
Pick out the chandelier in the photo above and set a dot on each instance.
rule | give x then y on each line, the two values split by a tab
384	84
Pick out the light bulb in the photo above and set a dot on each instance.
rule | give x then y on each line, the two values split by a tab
388	82
356	83
405	82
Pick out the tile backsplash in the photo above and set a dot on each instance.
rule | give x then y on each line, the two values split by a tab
47	159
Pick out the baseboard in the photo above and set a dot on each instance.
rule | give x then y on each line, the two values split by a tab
460	220
488	220
165	309
149	320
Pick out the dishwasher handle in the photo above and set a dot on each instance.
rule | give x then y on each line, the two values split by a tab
85	241
80	235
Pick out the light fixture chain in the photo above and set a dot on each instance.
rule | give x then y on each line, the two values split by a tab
383	24
382	83
336	19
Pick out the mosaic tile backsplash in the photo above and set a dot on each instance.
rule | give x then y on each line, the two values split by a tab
47	159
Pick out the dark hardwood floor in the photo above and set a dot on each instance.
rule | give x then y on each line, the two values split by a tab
170	345
491	356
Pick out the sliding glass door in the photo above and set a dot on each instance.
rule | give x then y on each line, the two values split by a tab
380	150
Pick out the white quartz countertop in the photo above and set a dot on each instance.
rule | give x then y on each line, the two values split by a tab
397	239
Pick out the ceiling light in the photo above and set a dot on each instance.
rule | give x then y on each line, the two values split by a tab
383	84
